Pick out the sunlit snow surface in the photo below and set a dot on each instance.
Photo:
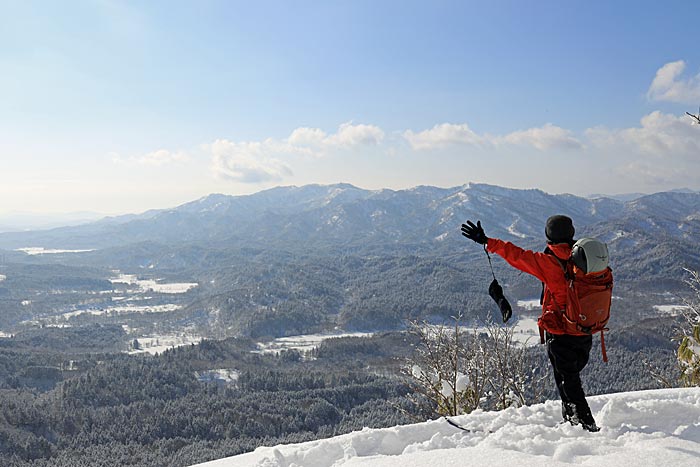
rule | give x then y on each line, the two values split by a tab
222	375
672	309
533	304
47	251
157	344
151	285
647	428
302	343
526	331
127	309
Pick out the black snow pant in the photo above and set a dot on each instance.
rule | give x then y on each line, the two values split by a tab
569	355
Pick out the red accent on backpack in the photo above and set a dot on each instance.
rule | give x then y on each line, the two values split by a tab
588	302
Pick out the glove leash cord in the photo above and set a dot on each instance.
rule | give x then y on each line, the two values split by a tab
490	264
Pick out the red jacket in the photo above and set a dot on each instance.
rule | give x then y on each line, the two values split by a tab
547	269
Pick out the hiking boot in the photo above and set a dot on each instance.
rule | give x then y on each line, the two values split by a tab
569	413
579	415
592	427
586	418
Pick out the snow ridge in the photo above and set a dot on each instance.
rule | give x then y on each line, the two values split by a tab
647	428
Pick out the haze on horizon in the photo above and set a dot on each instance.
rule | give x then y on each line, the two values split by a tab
120	107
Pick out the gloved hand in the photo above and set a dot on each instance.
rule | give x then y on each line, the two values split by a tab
496	292
474	232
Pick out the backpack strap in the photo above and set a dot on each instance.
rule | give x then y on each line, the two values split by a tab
563	265
546	251
602	346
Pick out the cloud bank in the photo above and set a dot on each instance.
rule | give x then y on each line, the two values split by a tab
247	162
269	160
670	87
442	135
662	150
450	134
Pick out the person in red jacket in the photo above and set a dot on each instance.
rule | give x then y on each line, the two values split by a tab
568	353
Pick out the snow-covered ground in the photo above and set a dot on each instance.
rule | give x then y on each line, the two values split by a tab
222	375
2	277
532	304
513	231
158	344
148	285
640	429
671	309
123	310
526	331
47	251
302	343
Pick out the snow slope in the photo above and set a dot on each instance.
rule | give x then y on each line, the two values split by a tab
648	428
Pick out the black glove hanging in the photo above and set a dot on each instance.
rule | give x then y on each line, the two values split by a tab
477	234
496	292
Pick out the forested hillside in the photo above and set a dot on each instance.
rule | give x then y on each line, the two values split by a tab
217	399
303	259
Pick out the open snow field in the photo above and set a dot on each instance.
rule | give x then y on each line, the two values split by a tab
302	343
119	310
221	375
672	309
151	285
530	305
32	251
526	331
640	429
158	344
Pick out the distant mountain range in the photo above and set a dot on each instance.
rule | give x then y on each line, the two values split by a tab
24	221
297	259
342	216
633	196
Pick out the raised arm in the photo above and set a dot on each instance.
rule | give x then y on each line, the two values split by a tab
540	265
535	263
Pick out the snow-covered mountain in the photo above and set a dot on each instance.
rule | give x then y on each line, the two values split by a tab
344	215
314	257
649	428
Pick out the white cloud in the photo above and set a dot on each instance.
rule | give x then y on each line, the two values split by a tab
659	134
544	138
158	158
442	135
262	161
661	152
348	135
305	136
449	134
247	162
668	86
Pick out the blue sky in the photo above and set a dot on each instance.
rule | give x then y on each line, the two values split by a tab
125	106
